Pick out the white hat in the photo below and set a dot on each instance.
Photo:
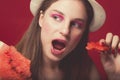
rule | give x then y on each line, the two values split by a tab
99	13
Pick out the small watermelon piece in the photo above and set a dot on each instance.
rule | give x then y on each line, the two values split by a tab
13	65
96	46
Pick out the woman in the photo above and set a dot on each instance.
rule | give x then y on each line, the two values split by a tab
55	42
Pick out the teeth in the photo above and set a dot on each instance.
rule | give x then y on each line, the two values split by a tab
59	45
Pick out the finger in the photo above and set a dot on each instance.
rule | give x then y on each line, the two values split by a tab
115	42
102	41
109	37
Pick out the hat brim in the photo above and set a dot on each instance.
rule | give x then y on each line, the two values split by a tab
99	16
98	19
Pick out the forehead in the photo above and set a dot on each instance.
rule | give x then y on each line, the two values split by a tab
74	8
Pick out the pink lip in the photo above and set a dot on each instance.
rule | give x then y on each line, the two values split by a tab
58	52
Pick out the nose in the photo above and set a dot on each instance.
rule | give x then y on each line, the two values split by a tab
65	30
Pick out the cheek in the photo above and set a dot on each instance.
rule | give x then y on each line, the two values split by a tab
75	40
76	36
45	32
46	28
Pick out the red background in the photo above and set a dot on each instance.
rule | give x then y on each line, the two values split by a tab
15	18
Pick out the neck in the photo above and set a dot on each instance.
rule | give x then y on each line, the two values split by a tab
52	68
49	64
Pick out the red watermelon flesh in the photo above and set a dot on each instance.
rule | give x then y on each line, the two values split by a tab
13	65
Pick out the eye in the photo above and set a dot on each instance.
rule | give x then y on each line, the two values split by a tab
76	24
57	17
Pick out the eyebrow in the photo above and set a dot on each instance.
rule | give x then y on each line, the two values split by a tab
78	19
58	11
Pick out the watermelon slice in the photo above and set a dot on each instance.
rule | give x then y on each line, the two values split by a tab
96	46
13	65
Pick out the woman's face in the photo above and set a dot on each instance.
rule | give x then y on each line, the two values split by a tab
62	26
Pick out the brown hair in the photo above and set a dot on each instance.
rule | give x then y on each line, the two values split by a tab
30	46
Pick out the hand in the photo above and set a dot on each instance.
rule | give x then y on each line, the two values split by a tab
111	59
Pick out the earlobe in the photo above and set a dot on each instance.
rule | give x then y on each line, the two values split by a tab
41	19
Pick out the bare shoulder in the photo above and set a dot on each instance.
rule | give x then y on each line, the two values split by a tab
94	74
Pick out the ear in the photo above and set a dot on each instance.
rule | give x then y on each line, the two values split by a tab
41	19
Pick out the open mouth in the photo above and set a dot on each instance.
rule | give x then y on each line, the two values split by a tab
59	44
